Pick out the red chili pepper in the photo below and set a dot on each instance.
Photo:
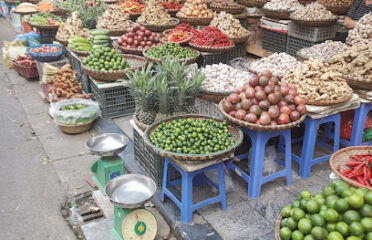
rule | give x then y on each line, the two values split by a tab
171	5
346	171
212	37
368	173
187	28
360	180
353	163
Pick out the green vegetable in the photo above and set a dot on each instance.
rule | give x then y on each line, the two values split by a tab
105	58
41	18
73	107
172	50
192	136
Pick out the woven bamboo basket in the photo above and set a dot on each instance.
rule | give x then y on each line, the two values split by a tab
315	23
62	42
253	3
340	158
212	49
182	43
127	50
79	53
241	39
75	129
237	135
329	102
360	83
194	21
338	10
187	60
44	27
232	10
276	14
160	28
212	96
140	125
277	227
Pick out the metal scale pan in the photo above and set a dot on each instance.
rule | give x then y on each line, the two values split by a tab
107	144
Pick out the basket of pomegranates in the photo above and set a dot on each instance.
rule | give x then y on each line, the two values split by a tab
264	104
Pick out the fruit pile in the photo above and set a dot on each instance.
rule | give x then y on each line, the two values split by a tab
105	58
264	101
192	136
177	36
79	43
139	37
132	6
339	212
359	169
172	50
46	49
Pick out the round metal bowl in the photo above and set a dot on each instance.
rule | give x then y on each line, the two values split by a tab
130	190
107	144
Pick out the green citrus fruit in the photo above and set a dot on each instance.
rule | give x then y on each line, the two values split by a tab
285	233
318	195
356	228
369	236
331	200
351	216
317	220
309	237
312	206
340	189
353	238
305	194
291	223
283	223
318	233
295	204
331	227
298	214
368	197
304	225
335	236
286	211
342	228
361	191
320	200
366	210
367	224
331	215
341	205
338	182
356	201
328	190
297	235
303	203
348	192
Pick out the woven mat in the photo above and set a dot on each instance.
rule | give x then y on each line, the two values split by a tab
316	112
365	96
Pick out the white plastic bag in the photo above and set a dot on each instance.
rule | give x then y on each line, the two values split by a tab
270	165
78	116
239	63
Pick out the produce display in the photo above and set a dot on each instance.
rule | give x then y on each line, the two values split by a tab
26	7
229	25
212	37
45	7
356	61
336	3
139	37
73	107
317	80
338	212
358	169
177	36
25	60
264	101
99	38
278	63
105	58
188	28
114	19
155	14
75	111
132	6
226	4
222	77
44	19
89	12
45	49
192	136
313	12
171	5
326	50
79	43
283	5
195	9
362	32
72	26
172	50
68	4
66	86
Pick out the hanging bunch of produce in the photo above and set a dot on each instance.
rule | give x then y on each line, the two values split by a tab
44	19
72	26
132	6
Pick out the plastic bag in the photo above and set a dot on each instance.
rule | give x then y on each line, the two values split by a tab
239	63
270	165
213	176
27	36
89	112
12	50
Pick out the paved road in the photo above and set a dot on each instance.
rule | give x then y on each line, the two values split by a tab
30	193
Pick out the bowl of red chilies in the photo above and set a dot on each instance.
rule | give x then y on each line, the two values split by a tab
353	165
181	37
211	39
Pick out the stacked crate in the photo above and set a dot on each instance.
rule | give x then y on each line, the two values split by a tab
274	34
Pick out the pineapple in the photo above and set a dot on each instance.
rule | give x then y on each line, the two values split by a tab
164	97
141	84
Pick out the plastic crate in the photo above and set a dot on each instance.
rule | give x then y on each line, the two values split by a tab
211	58
274	41
114	99
314	34
295	44
238	51
47	36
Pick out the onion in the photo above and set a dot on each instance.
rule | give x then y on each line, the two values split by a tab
240	114
293	92
263	81
289	99
273	112
294	116
292	86
234	98
250	117
272	99
238	106
268	89
283	118
255	110
273	123
274	79
254	101
282	103
246	104
253	81
232	114
284	90
264	104
285	109
299	100
242	96
260	95
266	73
239	90
265	118
301	109
227	106
258	88
292	107
148	33
250	92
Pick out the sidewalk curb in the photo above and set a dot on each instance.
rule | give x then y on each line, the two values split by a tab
169	211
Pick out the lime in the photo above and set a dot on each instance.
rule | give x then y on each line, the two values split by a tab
367	224
353	238
328	190
286	211
291	224
320	200
341	205
297	235
283	223
348	192
303	203
331	215
338	182
312	206
295	204
361	191
368	197
304	225
317	220
331	227
309	237
366	210
340	189
351	216
318	195
356	201
335	236
308	215
285	233
318	233
305	194
323	208
298	214
356	228
331	200
342	228
322	212
369	236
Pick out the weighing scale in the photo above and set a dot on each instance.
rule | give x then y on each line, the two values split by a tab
109	165
129	193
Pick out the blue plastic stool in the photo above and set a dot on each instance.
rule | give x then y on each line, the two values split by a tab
306	160
360	116
185	205
255	179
